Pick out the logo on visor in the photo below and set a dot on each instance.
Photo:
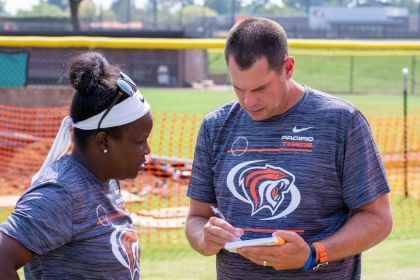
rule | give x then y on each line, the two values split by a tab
141	97
127	85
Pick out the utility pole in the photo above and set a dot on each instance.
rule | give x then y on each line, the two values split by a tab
418	18
101	14
128	18
155	14
232	11
180	14
405	128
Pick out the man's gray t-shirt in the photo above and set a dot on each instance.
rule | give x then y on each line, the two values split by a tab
76	225
305	170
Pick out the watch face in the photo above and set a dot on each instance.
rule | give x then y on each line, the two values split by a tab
319	266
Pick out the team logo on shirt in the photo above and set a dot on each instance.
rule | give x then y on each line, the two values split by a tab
125	247
239	146
124	242
264	186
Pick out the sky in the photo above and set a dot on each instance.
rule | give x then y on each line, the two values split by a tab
12	6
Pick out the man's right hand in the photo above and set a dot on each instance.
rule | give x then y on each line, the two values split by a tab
217	232
206	233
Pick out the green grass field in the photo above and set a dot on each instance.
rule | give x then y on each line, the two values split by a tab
346	74
200	101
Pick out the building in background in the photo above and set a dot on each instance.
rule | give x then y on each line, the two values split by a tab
362	22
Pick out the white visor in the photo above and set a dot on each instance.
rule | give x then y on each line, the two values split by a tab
127	111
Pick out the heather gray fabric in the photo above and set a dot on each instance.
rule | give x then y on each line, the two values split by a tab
305	170
76	225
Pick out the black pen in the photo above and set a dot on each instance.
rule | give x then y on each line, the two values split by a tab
218	214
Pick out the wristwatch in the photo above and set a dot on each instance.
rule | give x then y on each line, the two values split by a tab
323	256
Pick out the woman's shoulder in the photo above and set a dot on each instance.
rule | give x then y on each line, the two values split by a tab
58	173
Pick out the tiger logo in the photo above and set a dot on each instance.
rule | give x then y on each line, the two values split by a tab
125	247
264	186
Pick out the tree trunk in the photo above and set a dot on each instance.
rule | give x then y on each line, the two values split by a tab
74	11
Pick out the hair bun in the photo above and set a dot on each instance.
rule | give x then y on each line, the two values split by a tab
86	72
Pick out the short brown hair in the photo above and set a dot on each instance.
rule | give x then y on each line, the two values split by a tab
253	38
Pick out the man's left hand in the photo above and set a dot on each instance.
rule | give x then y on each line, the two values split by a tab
292	255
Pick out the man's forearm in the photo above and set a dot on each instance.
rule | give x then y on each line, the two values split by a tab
364	229
194	232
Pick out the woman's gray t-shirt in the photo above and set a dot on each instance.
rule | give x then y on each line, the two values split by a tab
76	225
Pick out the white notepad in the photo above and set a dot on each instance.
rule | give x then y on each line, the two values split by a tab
269	241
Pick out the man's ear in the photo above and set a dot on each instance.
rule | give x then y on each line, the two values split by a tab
101	141
289	66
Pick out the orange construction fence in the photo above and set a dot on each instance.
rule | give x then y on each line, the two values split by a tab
156	197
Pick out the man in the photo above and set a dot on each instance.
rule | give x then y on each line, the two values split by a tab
285	160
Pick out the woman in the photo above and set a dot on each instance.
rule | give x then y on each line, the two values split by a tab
72	222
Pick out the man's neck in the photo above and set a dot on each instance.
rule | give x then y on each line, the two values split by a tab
295	93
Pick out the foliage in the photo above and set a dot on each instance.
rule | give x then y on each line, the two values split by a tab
164	11
413	6
191	11
304	5
108	15
88	10
62	4
123	10
43	9
222	7
2	4
267	7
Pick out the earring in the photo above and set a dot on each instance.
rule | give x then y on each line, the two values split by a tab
105	151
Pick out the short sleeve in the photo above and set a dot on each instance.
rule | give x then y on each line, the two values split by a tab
364	177
201	185
42	219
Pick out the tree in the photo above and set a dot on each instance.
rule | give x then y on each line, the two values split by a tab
88	10
222	7
184	3
304	5
192	11
74	12
269	7
123	9
62	4
2	4
164	11
42	9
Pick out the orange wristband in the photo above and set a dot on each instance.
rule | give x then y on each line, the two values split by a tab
323	255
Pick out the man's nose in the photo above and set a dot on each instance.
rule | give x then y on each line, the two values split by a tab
250	100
